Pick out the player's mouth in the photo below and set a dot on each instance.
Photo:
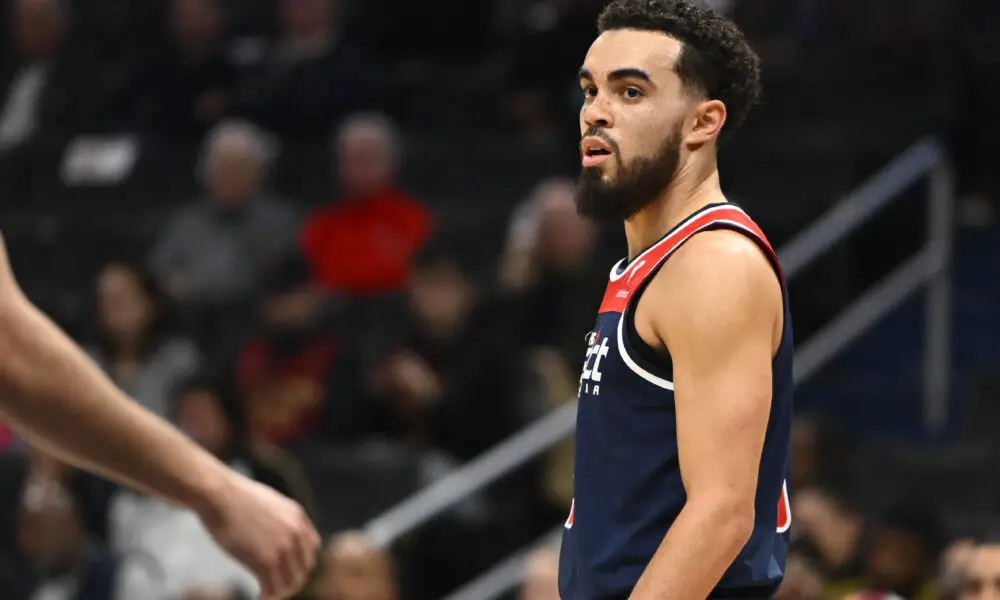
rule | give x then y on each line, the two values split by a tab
595	151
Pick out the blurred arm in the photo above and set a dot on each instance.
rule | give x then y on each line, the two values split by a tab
720	332
54	395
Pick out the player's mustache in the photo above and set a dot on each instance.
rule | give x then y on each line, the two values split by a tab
599	133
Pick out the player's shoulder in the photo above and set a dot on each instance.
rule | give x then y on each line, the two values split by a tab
721	271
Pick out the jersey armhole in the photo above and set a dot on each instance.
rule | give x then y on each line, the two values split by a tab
661	364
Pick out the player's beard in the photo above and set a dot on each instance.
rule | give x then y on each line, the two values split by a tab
635	186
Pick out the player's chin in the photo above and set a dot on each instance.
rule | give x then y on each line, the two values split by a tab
600	172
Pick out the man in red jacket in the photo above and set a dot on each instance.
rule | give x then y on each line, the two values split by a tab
365	241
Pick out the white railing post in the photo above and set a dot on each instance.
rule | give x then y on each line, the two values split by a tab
937	335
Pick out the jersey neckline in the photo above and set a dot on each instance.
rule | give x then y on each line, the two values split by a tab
623	265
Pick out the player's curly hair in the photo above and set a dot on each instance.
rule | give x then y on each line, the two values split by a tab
716	60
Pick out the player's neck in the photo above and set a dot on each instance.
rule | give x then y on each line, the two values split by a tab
692	189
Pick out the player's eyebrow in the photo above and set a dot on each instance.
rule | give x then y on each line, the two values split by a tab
619	74
630	73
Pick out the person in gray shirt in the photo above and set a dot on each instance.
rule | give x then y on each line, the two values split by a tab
213	251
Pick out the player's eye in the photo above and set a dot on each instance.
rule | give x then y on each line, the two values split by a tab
632	93
589	92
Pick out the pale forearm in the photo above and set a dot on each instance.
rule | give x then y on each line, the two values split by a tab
53	395
700	546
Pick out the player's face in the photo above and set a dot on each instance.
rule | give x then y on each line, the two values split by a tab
631	122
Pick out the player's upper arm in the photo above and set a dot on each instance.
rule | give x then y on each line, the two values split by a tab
719	321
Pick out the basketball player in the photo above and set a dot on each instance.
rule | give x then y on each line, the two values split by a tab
53	395
686	392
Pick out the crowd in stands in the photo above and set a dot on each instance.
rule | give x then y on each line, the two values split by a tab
273	259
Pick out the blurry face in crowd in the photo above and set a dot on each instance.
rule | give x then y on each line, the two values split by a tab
440	297
196	23
634	110
307	17
541	578
898	560
234	172
50	532
38	27
565	239
355	570
364	160
982	574
200	416
125	310
291	310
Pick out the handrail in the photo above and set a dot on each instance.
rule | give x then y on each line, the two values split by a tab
856	209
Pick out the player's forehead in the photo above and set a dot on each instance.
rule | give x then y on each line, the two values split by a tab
653	52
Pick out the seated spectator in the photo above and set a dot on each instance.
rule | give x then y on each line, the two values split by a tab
803	575
282	369
173	538
547	265
317	75
364	242
903	552
48	89
214	251
452	380
541	575
187	89
354	569
137	342
820	453
63	561
828	521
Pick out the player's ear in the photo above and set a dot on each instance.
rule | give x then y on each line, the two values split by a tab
709	117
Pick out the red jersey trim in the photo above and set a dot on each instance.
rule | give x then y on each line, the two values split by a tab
622	285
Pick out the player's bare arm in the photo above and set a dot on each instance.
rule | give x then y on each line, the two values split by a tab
717	307
52	394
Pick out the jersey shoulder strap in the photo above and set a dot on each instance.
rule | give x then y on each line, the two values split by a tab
626	279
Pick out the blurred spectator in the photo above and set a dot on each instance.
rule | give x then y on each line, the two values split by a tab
454	379
827	520
317	76
541	575
188	88
46	87
354	569
820	454
283	368
903	552
980	578
365	241
137	341
803	576
213	252
63	561
547	266
173	539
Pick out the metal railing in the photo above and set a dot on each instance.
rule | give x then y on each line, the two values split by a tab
929	265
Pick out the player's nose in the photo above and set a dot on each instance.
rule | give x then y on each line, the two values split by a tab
597	114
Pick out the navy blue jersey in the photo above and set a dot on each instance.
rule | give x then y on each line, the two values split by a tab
627	481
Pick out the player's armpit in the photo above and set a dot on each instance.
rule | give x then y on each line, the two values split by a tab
717	307
721	323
